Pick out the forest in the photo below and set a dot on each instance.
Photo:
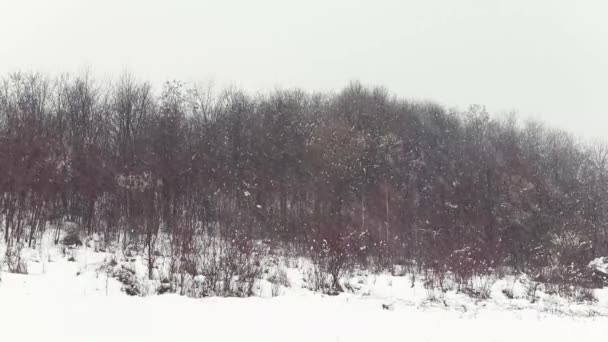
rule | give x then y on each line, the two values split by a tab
358	178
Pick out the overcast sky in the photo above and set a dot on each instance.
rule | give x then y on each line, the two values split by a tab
545	59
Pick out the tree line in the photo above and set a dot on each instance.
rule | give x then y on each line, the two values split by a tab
356	176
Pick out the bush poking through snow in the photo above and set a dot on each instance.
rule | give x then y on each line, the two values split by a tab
279	277
532	288
576	293
72	236
210	267
165	286
129	280
480	286
275	289
13	258
332	260
431	294
399	271
131	284
565	270
509	290
434	285
437	279
583	295
598	269
317	279
389	307
221	267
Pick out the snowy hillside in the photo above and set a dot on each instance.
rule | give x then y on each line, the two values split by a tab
62	300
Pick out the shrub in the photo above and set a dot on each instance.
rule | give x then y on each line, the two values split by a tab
128	278
569	258
317	279
567	272
582	294
279	277
430	288
480	286
472	272
330	254
13	259
509	291
72	236
220	267
275	289
435	283
532	288
577	293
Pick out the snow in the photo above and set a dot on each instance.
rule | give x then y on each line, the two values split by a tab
600	264
73	301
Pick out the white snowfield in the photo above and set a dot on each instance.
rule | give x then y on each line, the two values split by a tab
71	301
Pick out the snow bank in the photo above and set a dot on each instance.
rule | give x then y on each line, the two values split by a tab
74	301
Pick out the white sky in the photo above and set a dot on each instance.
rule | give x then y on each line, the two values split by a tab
545	59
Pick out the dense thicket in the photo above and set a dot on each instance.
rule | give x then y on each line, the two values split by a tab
353	176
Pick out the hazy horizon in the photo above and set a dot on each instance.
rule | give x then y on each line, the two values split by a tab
545	60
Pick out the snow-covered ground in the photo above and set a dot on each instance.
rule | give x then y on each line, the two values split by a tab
72	301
